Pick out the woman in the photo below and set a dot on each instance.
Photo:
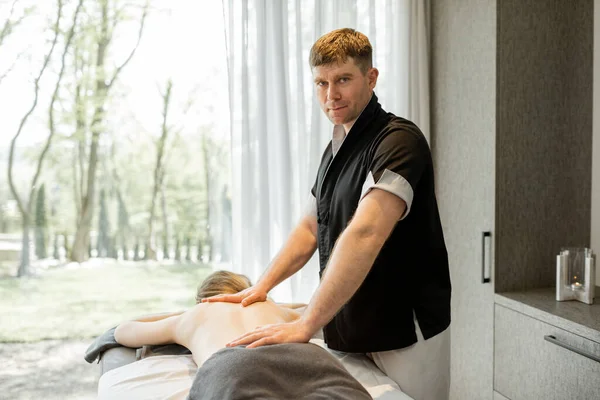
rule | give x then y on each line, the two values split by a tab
280	371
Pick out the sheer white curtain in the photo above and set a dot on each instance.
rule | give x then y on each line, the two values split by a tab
278	131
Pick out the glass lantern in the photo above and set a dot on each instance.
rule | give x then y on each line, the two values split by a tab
575	274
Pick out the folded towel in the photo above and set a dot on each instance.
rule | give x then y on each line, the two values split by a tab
107	341
100	345
281	371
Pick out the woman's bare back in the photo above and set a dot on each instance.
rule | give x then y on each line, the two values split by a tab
208	327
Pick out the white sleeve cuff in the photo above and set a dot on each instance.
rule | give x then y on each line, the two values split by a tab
393	183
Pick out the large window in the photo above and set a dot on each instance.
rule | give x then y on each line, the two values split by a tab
137	166
114	130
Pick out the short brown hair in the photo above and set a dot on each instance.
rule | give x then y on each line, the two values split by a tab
222	282
336	46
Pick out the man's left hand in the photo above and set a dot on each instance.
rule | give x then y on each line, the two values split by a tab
291	332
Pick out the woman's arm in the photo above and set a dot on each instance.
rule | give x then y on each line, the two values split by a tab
157	317
136	334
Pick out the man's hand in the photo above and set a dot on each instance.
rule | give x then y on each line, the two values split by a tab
246	297
291	332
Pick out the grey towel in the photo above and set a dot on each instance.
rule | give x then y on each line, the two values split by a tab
282	371
100	345
107	341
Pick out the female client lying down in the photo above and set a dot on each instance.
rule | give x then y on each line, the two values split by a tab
294	370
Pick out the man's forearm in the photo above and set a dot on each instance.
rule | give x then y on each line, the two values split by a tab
352	258
298	249
350	262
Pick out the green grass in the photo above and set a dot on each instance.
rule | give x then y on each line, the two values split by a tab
82	303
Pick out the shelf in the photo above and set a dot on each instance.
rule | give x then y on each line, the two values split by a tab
576	317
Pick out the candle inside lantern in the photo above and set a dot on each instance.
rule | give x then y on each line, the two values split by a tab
576	285
576	268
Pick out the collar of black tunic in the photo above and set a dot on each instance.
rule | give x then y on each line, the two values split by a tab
372	109
359	128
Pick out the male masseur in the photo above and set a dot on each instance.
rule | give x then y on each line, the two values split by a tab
385	284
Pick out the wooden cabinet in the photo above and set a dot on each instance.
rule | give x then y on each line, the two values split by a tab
463	146
511	139
536	360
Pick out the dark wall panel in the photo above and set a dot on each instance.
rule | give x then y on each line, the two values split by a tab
543	137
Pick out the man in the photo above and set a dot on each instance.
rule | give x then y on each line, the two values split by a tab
385	284
289	370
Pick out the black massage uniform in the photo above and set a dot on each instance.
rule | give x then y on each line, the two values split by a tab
410	276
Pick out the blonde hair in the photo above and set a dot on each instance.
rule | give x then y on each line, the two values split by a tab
222	282
336	46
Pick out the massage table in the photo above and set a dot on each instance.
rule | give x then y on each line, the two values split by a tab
143	374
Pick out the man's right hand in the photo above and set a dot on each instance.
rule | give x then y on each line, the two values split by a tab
246	297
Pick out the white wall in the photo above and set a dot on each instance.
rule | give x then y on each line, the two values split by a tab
595	235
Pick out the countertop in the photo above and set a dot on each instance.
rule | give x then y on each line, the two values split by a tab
574	316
